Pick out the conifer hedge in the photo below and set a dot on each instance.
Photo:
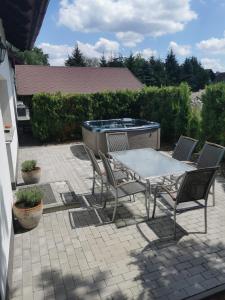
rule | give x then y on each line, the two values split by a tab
58	117
213	113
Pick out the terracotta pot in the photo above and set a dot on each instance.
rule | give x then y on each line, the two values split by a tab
32	176
28	217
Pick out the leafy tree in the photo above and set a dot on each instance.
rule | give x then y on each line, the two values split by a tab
36	56
76	59
172	69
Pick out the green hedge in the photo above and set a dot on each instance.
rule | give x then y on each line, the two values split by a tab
170	106
213	113
58	117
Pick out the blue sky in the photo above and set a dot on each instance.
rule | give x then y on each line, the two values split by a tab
148	27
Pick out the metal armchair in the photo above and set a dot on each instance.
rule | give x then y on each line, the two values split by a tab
194	186
184	148
210	156
122	189
99	174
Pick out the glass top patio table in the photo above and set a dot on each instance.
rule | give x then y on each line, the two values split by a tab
148	163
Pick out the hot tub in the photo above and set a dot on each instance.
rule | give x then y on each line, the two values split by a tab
141	133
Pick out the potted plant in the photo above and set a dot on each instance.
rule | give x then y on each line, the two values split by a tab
28	207
30	172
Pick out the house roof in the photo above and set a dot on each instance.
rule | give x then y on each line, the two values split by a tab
36	79
220	77
22	20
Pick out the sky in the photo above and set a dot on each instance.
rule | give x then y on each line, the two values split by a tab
148	27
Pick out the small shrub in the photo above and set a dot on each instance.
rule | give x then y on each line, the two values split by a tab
29	198
28	165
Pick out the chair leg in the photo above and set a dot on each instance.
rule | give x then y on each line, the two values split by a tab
147	206
213	193
205	216
93	185
115	208
154	206
104	204
175	225
101	191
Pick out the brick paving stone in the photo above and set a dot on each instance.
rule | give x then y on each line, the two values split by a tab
60	261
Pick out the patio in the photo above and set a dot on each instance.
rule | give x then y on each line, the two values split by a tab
72	255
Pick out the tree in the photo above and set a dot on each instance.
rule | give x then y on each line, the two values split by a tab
129	62
36	56
157	72
103	61
172	69
116	62
76	59
91	62
194	74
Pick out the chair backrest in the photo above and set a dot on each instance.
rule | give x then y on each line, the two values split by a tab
93	160
210	156
196	185
117	141
109	173
184	148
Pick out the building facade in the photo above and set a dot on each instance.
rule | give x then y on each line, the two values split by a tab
19	26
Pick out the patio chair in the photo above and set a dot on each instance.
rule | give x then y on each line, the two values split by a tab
182	152
184	148
194	186
117	141
99	174
210	156
122	189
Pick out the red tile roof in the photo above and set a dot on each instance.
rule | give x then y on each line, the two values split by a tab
35	79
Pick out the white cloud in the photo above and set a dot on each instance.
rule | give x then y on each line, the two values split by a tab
147	53
213	45
59	53
130	39
144	17
182	50
101	46
213	63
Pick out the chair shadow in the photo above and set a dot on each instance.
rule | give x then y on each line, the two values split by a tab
161	231
93	213
79	151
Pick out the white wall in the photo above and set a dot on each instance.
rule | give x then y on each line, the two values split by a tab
6	197
7	94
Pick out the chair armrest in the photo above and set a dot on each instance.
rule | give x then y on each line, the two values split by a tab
125	183
167	191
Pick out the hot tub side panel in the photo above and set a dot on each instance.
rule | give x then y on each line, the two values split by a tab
95	140
149	138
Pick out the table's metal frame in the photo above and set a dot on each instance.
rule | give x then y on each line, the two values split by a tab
146	179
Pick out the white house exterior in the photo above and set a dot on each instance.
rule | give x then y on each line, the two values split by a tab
20	23
8	161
